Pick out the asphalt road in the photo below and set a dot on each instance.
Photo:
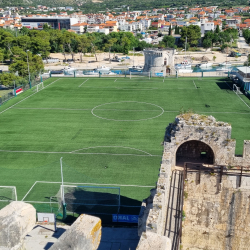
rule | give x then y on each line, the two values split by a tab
242	44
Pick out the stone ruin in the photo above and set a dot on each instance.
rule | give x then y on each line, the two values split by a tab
216	208
19	218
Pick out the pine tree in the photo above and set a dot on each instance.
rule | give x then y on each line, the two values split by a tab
217	30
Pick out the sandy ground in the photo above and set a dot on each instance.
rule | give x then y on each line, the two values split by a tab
90	63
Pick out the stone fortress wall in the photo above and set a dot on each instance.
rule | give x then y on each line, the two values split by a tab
212	208
156	60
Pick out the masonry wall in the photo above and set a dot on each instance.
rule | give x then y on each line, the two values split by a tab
193	131
217	215
157	60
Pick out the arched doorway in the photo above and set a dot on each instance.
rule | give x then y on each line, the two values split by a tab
194	151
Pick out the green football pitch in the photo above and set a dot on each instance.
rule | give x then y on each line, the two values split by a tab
108	131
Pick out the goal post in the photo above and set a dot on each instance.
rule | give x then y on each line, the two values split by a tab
236	90
89	199
7	195
39	86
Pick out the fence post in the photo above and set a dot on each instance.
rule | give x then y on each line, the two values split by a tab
202	74
176	74
74	74
14	91
41	78
50	74
125	73
30	84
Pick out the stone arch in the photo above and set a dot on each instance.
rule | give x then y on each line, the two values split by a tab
194	151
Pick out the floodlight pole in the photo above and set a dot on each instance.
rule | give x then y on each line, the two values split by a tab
62	192
28	67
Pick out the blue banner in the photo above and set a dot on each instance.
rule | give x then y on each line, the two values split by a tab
125	218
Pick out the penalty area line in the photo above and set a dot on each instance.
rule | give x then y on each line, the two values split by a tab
100	184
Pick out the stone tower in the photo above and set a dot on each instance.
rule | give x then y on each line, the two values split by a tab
158	60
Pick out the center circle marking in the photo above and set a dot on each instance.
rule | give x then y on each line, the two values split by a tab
104	118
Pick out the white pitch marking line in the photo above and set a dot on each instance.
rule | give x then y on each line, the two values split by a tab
53	109
27	97
195	85
96	184
113	147
29	191
75	153
166	111
83	82
122	185
96	108
115	80
238	96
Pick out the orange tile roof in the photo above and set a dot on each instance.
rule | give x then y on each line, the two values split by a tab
79	24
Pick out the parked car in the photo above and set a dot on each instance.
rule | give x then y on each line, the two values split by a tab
125	57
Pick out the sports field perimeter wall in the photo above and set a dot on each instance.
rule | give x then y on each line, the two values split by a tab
187	129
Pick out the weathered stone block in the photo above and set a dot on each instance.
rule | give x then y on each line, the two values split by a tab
16	221
149	240
84	234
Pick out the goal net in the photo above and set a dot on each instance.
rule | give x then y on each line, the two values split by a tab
7	195
89	199
39	86
236	90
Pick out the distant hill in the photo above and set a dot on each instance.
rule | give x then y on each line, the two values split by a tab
88	6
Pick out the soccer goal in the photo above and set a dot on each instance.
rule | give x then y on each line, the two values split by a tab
236	90
89	199
39	86
7	195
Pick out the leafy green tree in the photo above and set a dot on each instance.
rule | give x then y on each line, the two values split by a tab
55	41
125	43
83	44
46	27
109	44
23	42
207	43
67	39
24	31
7	79
193	34
20	64
168	42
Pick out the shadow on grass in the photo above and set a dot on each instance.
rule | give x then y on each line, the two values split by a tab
225	84
99	204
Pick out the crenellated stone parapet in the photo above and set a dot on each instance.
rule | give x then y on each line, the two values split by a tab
195	138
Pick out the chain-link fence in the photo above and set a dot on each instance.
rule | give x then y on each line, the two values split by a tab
20	86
